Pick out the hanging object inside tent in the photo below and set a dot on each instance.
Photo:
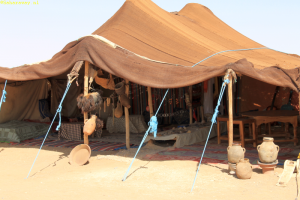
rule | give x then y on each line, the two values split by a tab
118	110
105	106
120	90
106	83
89	102
187	100
107	102
92	74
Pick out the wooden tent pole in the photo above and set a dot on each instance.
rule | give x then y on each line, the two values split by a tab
150	101
230	112
127	117
191	100
85	92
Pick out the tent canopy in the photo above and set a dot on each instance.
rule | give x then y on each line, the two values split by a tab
177	40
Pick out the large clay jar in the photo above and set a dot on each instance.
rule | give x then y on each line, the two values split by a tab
244	169
90	125
235	152
268	151
118	110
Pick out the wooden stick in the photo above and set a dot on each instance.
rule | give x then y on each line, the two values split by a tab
85	92
191	100
127	117
230	113
150	101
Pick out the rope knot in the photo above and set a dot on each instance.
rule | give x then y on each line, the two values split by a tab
153	125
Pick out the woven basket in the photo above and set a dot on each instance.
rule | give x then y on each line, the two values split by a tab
120	88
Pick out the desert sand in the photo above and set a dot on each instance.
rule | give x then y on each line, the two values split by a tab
52	177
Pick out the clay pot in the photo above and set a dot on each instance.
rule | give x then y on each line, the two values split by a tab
235	152
125	101
244	169
118	110
80	154
120	88
268	151
90	125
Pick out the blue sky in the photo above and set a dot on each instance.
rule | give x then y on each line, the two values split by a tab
31	33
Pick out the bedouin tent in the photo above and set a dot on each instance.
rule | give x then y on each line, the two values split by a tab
171	43
147	45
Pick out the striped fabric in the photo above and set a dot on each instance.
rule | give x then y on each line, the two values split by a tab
94	145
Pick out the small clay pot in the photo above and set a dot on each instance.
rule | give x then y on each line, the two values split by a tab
244	169
235	152
90	125
80	154
267	151
118	110
124	101
120	88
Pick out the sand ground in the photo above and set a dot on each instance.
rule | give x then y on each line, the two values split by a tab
54	178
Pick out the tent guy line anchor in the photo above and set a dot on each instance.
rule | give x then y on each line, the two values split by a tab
153	127
57	111
213	120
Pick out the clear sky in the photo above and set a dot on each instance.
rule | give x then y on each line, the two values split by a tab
31	33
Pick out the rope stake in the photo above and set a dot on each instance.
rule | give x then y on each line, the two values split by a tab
153	128
58	111
213	121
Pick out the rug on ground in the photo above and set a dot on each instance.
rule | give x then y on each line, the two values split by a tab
94	145
215	154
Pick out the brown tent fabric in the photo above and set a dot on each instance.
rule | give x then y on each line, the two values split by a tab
183	39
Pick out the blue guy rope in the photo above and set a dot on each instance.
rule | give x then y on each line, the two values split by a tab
153	126
228	51
58	111
213	120
3	98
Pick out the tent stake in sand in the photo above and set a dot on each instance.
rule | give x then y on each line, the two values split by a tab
227	80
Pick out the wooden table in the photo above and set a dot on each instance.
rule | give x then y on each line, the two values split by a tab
286	116
241	121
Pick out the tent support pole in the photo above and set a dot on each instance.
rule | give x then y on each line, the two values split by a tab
126	111
230	112
150	101
191	100
85	92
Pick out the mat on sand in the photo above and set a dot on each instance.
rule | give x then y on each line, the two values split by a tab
95	145
215	154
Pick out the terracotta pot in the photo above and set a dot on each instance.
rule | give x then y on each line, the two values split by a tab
120	88
80	154
235	152
118	110
125	101
90	125
268	151
244	169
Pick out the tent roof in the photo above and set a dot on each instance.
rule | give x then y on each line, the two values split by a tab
180	40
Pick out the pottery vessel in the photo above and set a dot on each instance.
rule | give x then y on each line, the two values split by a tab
235	152
118	110
90	125
244	169
268	151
